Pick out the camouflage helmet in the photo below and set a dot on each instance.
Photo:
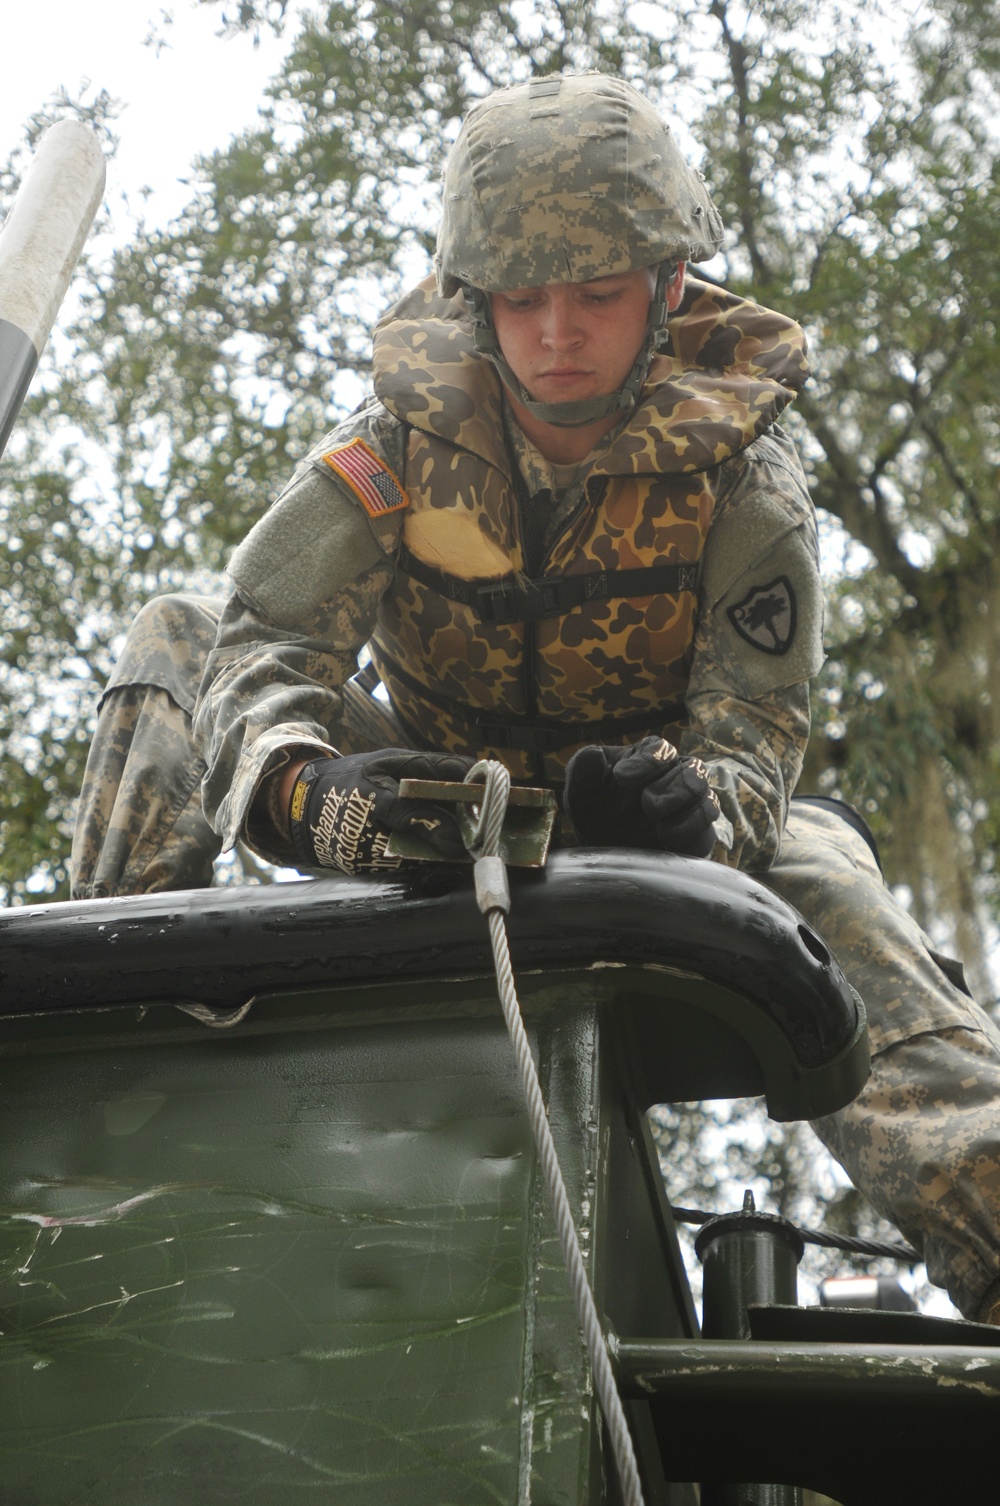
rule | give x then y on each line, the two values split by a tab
567	179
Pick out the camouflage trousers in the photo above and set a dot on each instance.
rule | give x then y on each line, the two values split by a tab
922	1139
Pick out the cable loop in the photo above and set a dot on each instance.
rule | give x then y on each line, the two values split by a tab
495	779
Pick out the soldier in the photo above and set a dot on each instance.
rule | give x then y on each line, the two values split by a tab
573	537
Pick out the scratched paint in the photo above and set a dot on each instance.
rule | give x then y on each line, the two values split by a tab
293	1267
124	1116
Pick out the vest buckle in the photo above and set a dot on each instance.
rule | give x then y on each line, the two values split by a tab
518	601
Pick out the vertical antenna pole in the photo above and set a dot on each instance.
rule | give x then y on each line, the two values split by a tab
40	243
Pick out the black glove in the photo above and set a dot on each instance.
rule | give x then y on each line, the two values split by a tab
344	810
600	811
646	796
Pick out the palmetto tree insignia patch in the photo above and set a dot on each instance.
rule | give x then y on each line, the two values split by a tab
766	616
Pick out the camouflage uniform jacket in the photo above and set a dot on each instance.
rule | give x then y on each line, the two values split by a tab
323	573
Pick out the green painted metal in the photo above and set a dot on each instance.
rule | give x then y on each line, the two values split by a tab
921	1376
313	1260
311	1257
865	1424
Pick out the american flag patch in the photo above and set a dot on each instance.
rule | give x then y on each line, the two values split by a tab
369	478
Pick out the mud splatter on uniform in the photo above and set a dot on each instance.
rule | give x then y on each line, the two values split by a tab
696	476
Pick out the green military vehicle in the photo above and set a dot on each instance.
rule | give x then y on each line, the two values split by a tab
274	1227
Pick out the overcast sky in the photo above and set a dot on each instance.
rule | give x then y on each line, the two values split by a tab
187	96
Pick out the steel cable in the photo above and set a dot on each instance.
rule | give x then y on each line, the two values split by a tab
494	900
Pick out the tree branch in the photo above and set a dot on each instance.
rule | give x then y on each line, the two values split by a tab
745	188
444	35
965	488
868	523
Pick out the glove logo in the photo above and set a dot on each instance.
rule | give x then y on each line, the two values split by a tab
344	810
766	616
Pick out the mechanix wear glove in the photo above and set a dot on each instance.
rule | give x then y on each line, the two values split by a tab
344	810
646	796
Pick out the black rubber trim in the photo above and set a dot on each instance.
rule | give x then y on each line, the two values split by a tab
588	909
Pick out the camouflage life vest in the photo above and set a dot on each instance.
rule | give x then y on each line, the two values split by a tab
481	658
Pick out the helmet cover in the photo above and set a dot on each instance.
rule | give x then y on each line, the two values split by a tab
566	179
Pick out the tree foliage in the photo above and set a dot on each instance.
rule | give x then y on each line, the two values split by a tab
854	157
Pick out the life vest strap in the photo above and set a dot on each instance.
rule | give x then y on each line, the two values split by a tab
497	729
515	598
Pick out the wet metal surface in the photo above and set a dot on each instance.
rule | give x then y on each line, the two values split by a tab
305	1268
738	997
865	1424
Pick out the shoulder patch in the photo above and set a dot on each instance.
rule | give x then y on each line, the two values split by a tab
370	479
766	616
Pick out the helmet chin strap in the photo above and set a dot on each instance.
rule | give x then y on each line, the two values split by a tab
575	415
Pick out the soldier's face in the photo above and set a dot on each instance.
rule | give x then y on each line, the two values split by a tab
569	341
